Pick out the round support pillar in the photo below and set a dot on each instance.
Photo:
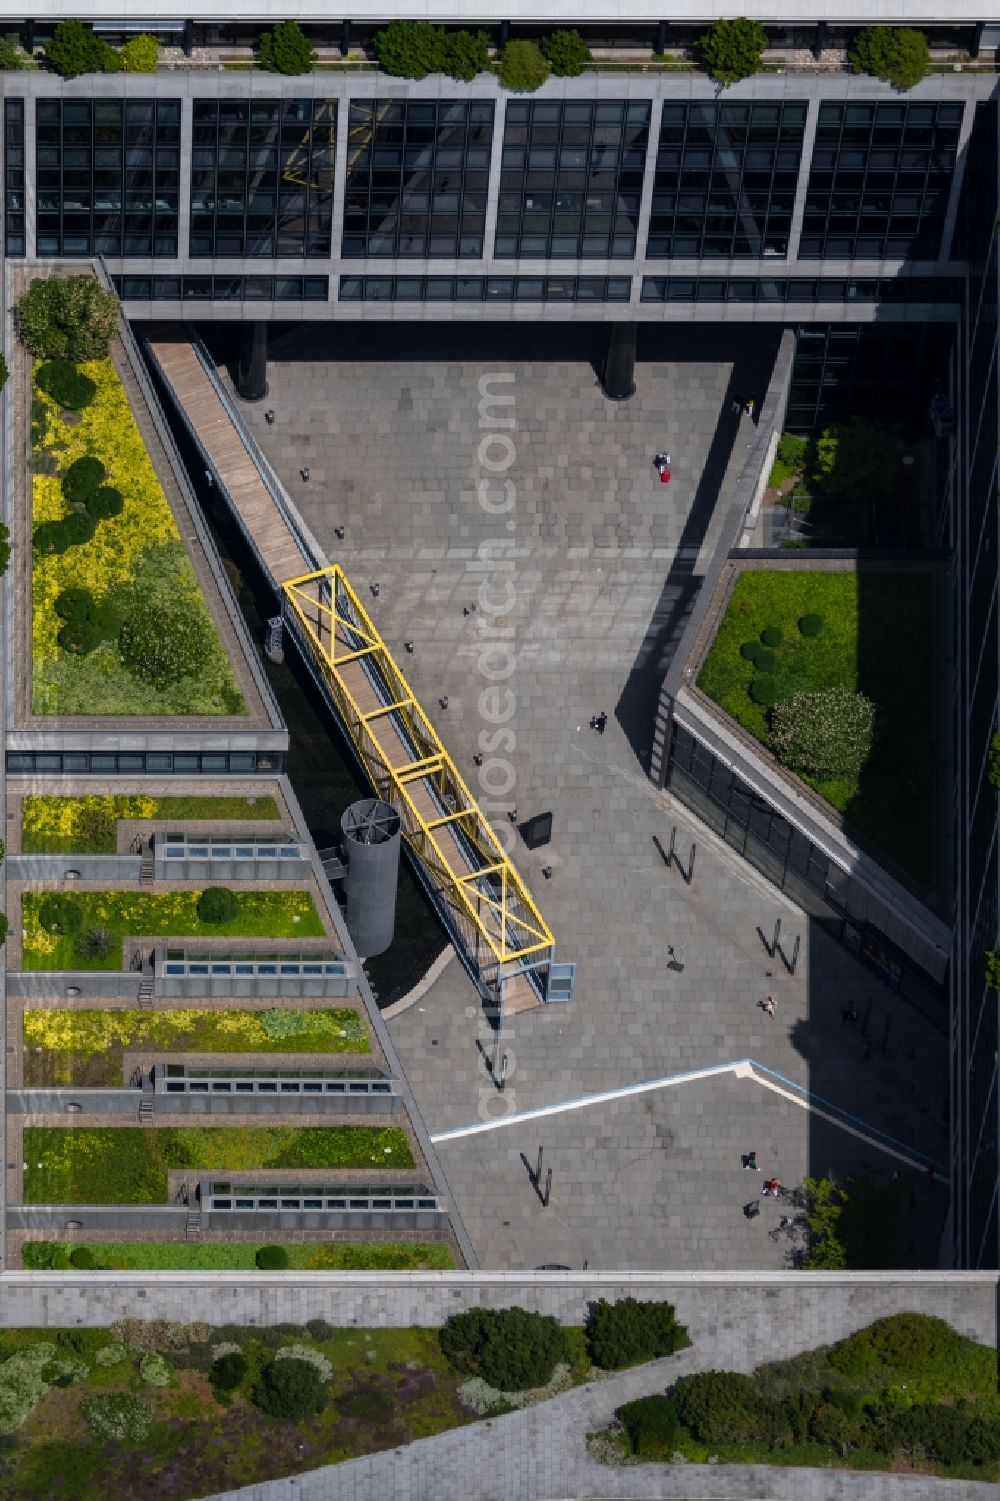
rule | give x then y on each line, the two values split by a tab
618	378
251	368
504	35
661	38
371	850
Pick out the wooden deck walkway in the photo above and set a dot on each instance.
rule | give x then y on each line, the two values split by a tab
279	551
284	559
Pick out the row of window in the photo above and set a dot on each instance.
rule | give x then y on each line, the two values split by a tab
177	763
801	289
570	182
485	288
223	288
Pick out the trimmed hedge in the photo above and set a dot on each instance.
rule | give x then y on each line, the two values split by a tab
290	1389
104	503
751	650
74	604
271	1259
510	1348
651	1424
771	636
630	1331
217	904
810	625
764	690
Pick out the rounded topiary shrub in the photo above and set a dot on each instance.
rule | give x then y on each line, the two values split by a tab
523	67
719	1407
163	643
83	1258
290	1389
228	1371
59	914
766	661
632	1330
82	478
76	529
105	502
764	690
79	637
826	734
155	1369
771	636
73	603
751	650
48	537
810	625
67	385
217	904
567	52
270	1258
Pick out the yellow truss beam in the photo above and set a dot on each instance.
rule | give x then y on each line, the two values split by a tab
328	608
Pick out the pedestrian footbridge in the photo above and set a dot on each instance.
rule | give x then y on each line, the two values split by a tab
493	920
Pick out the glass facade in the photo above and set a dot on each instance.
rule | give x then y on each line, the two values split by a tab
223	288
827	893
853	369
262	177
417	175
171	763
571	179
725	179
485	288
13	177
107	176
879	181
896	289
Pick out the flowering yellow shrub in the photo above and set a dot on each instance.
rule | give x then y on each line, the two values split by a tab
87	825
123	548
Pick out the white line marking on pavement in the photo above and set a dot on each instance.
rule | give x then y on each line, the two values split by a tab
742	1068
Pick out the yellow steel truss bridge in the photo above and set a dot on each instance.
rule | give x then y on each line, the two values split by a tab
491	913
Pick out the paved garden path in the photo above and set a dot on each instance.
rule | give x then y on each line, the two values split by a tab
540	1454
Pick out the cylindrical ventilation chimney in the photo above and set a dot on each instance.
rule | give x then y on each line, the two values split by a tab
371	849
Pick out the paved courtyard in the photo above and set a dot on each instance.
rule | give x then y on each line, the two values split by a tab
563	579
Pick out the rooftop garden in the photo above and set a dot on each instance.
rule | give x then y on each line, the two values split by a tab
236	1256
119	625
129	1164
833	673
86	930
907	1394
157	1411
89	825
87	1047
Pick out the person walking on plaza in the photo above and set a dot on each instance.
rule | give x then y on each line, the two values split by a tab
772	1188
662	462
767	1004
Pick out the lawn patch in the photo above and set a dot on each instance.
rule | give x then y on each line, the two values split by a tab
88	825
875	637
86	1047
129	1165
159	914
132	561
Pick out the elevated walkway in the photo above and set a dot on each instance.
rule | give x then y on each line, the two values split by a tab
495	924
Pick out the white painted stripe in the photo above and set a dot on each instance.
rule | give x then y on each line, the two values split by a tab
742	1068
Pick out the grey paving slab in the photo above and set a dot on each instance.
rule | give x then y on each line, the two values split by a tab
528	618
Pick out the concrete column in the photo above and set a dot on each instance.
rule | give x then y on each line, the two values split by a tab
957	177
805	167
618	375
345	37
251	370
504	35
661	37
187	42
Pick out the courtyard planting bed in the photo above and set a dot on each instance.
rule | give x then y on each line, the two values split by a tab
88	825
129	1164
166	914
177	1435
119	625
875	638
906	1394
86	1047
238	1256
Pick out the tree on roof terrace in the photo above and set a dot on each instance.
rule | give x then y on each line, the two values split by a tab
287	49
732	50
67	318
897	54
